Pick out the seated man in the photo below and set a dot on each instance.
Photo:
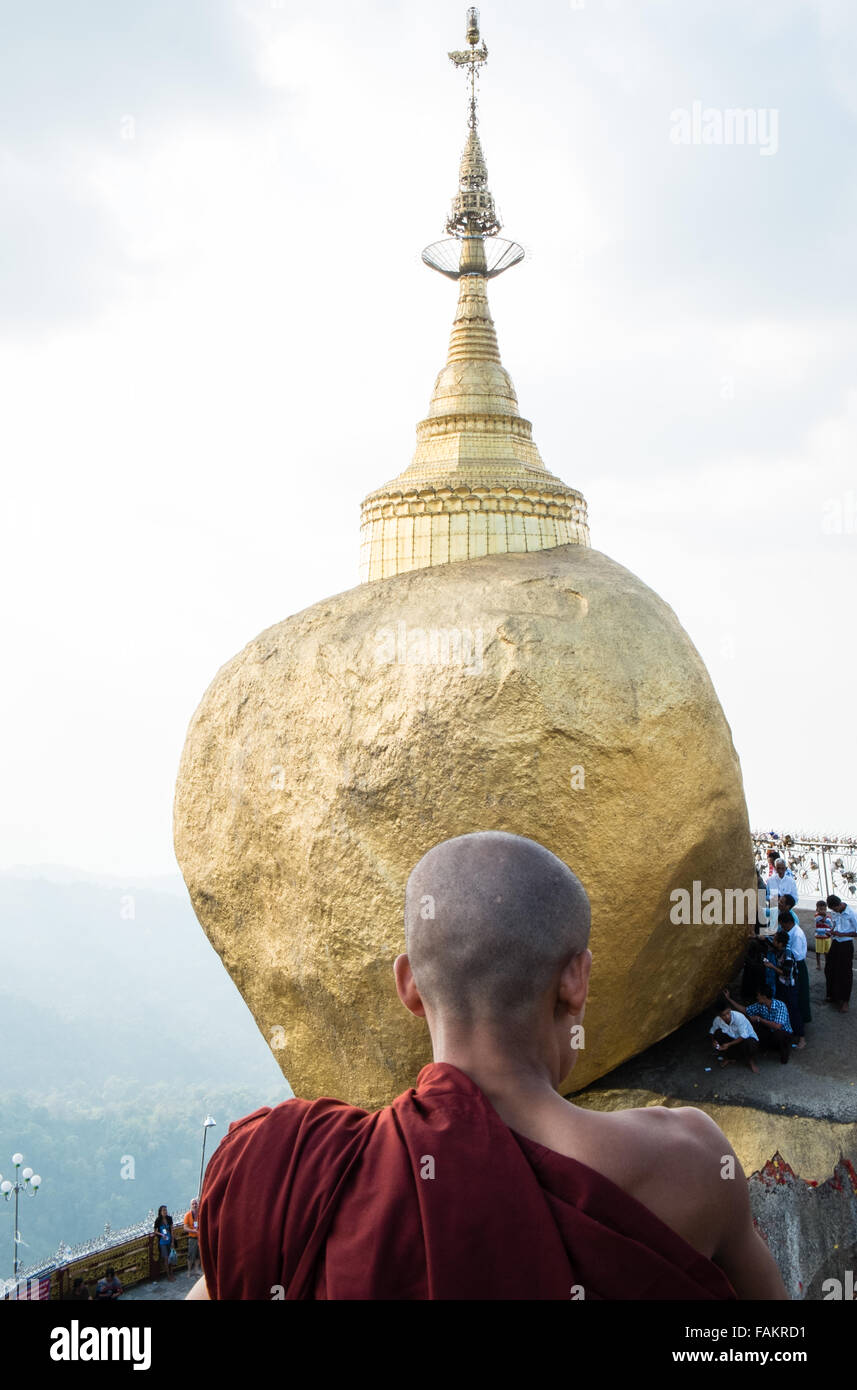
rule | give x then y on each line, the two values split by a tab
79	1292
734	1037
109	1286
771	1017
482	1182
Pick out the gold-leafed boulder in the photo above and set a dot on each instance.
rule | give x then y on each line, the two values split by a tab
549	694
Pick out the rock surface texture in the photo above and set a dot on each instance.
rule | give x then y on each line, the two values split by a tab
810	1228
551	694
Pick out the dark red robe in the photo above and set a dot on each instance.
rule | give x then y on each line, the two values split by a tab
433	1197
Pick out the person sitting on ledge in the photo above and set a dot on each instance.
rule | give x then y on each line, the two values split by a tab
482	1181
79	1292
734	1037
109	1286
771	1017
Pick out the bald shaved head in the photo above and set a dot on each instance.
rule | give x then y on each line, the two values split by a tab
491	920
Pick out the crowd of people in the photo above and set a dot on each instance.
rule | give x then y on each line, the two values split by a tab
167	1242
109	1286
775	1007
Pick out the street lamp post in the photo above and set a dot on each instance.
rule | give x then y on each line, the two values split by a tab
26	1181
206	1126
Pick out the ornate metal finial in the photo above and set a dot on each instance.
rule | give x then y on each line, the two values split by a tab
471	58
473	213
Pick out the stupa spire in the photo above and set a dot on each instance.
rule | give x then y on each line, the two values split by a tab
473	213
476	484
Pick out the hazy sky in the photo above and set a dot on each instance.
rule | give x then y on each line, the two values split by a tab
216	337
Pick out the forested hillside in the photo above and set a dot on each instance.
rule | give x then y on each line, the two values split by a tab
119	1031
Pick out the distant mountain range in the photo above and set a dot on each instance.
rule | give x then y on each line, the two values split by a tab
62	873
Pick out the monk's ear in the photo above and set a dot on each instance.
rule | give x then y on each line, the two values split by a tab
406	986
574	983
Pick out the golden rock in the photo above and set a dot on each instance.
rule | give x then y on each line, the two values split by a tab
551	694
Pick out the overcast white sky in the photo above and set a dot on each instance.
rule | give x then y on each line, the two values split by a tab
214	322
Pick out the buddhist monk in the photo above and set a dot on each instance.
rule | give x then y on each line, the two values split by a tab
482	1181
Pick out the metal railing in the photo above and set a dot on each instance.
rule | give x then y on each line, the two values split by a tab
821	864
67	1254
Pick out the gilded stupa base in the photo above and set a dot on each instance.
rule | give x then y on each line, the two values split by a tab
435	525
477	484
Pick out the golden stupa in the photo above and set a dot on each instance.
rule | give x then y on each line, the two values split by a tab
477	484
492	672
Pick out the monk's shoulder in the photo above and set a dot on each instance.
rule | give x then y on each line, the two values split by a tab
281	1124
297	1114
242	1134
681	1138
674	1160
684	1127
286	1113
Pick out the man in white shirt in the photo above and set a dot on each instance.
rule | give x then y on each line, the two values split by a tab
839	963
797	935
735	1039
782	881
797	946
845	921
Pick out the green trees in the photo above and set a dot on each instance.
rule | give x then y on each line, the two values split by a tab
82	1151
